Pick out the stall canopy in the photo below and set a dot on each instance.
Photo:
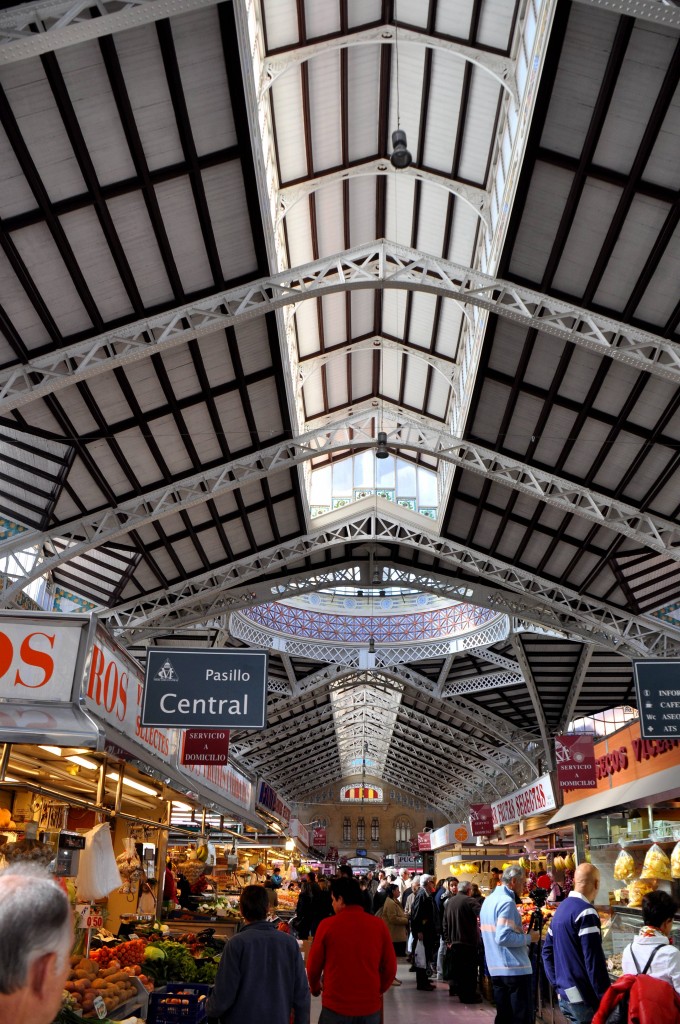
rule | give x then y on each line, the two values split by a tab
63	725
651	789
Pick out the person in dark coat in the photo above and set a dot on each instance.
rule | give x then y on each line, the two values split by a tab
322	905
461	935
303	910
424	929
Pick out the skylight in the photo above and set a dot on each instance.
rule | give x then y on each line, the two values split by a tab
363	476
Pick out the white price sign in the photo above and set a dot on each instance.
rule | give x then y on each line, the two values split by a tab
99	1006
88	917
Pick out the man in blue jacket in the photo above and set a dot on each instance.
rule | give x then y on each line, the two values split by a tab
261	976
506	948
573	959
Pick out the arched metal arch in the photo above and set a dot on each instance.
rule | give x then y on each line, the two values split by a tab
503	69
476	198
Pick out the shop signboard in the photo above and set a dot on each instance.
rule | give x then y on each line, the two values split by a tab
319	838
222	779
575	760
657	685
481	820
269	800
299	831
424	841
360	853
205	746
533	799
42	657
187	687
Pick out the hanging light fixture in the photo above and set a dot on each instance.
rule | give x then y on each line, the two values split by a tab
381	451
400	158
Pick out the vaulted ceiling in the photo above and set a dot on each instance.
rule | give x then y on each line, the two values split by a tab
212	280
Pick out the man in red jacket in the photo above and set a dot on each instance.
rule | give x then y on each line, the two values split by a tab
354	952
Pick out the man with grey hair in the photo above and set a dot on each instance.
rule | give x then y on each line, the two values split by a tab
460	932
507	950
36	936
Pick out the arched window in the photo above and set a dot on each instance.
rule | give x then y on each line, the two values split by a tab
375	830
402	834
346	830
361	830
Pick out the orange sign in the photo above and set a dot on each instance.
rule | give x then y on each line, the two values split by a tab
625	757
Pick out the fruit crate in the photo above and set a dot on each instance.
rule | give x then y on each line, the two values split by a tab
191	1009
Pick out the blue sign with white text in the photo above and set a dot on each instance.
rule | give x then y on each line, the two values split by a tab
218	689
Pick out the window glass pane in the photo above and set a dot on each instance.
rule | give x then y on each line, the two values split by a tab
321	486
342	477
427	487
364	467
406	479
385	472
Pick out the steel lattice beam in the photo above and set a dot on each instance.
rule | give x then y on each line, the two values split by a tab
382	264
31	29
662	12
576	687
110	524
377	520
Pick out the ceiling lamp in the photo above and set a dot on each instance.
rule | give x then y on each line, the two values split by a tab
400	157
371	645
381	451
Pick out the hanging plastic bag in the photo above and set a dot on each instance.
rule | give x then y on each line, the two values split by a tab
291	873
129	865
98	873
419	956
675	861
624	866
657	864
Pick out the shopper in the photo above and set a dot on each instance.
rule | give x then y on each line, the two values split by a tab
461	934
573	959
36	935
448	889
506	948
261	976
303	910
322	906
366	899
423	929
354	953
658	909
396	920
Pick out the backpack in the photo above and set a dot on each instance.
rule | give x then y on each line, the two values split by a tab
619	1015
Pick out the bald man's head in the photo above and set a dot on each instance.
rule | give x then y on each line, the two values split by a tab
587	880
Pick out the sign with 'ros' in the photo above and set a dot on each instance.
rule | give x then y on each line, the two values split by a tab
189	687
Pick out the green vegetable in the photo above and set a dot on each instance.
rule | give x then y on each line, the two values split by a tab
153	952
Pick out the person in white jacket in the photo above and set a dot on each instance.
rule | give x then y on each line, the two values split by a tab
658	909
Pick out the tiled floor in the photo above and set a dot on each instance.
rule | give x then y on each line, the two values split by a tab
404	1005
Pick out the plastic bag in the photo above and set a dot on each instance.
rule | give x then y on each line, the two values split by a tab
624	866
98	873
675	861
129	865
657	864
636	890
419	956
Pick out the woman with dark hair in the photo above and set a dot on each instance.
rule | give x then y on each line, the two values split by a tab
658	909
322	905
303	910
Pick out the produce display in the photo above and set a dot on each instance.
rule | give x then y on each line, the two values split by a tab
657	864
87	980
624	866
675	861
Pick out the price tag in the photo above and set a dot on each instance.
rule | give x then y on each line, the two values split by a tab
88	917
99	1006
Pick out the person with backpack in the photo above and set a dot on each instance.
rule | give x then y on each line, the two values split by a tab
573	958
648	992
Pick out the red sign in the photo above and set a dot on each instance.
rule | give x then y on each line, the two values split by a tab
481	820
424	840
205	746
319	838
575	759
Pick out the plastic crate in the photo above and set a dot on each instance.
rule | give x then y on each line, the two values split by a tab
191	1012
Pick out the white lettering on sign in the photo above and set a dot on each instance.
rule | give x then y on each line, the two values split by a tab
212	706
234	675
531	799
38	662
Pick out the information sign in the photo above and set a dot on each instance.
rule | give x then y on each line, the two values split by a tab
191	687
205	746
575	759
481	820
657	685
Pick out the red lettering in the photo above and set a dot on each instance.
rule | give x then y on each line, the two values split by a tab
105	687
6	653
96	675
37	659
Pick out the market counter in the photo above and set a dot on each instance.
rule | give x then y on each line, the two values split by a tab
223	927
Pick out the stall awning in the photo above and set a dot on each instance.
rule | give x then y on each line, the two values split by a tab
651	789
62	725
